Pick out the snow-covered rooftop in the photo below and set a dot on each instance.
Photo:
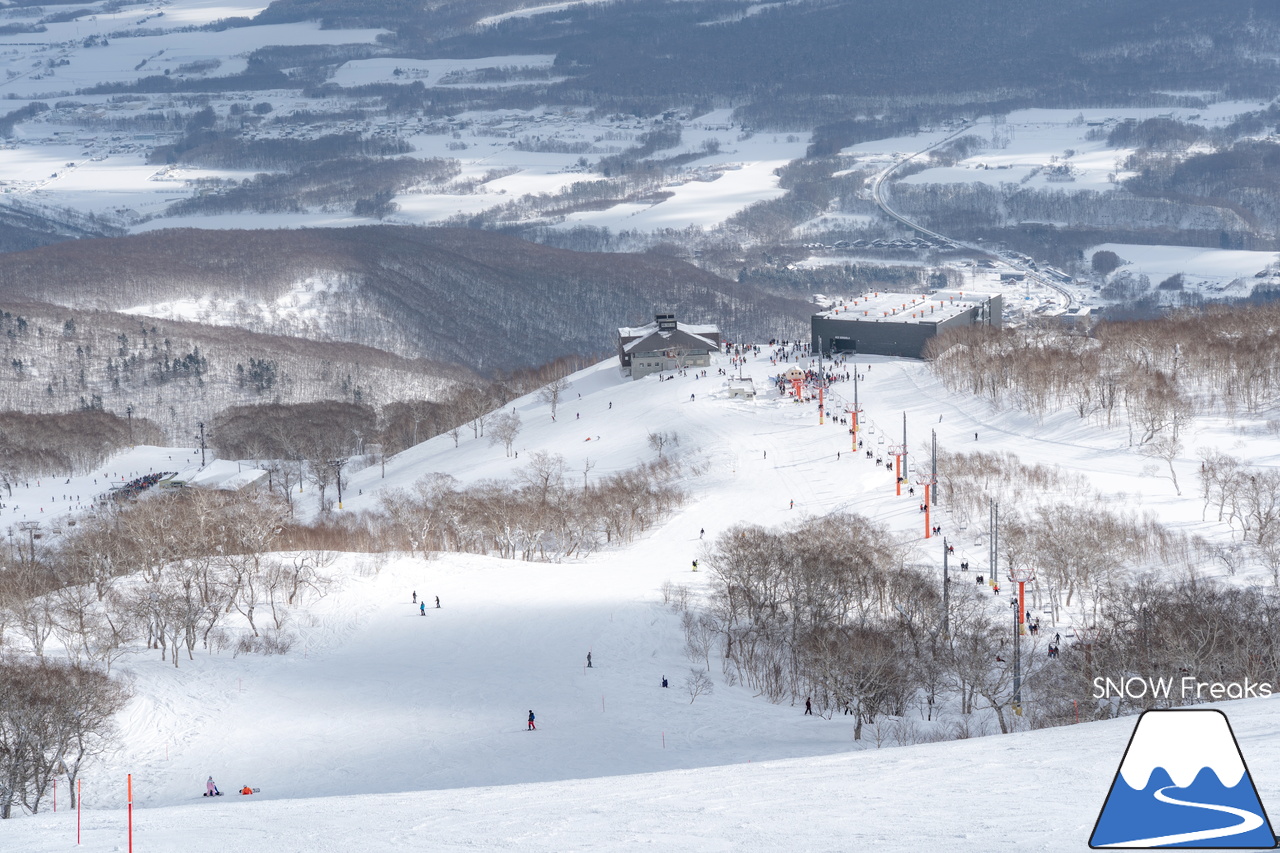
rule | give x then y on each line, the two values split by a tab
701	329
904	307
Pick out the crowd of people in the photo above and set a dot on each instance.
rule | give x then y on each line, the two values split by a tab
138	485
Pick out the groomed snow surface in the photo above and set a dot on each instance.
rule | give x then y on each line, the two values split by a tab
388	730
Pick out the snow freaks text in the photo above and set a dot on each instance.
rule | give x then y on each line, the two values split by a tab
1187	686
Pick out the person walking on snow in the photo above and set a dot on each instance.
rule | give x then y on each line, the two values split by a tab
589	661
422	608
532	727
415	596
808	707
437	602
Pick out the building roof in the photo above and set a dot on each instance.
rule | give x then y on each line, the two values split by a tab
707	330
227	475
668	339
886	307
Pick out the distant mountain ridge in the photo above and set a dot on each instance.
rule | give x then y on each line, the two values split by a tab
480	299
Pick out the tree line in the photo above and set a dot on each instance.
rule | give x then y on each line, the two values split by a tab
836	610
1150	376
34	445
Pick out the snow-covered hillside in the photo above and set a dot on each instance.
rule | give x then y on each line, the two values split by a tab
389	730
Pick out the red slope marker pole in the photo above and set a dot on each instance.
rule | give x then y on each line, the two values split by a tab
130	813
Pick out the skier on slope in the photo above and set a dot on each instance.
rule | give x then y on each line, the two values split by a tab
532	727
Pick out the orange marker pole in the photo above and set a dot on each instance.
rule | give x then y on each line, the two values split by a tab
130	813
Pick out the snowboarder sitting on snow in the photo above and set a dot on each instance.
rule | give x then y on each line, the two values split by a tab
211	790
246	790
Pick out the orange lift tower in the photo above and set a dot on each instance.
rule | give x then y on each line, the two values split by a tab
927	483
900	454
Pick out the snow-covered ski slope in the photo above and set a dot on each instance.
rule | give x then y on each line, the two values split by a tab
386	730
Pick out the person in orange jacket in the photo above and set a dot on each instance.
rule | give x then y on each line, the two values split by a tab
246	790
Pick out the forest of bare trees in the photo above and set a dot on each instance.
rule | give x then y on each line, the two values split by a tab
837	611
72	443
479	300
174	374
549	513
173	574
1149	376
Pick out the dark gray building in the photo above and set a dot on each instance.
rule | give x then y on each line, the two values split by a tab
666	345
900	324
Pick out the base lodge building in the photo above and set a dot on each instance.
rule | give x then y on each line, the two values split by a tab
665	345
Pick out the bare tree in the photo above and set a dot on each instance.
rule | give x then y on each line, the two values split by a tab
697	683
660	440
1167	448
51	716
504	430
545	475
552	391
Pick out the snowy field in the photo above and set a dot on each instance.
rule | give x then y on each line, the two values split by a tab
1209	270
76	156
388	730
1021	146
